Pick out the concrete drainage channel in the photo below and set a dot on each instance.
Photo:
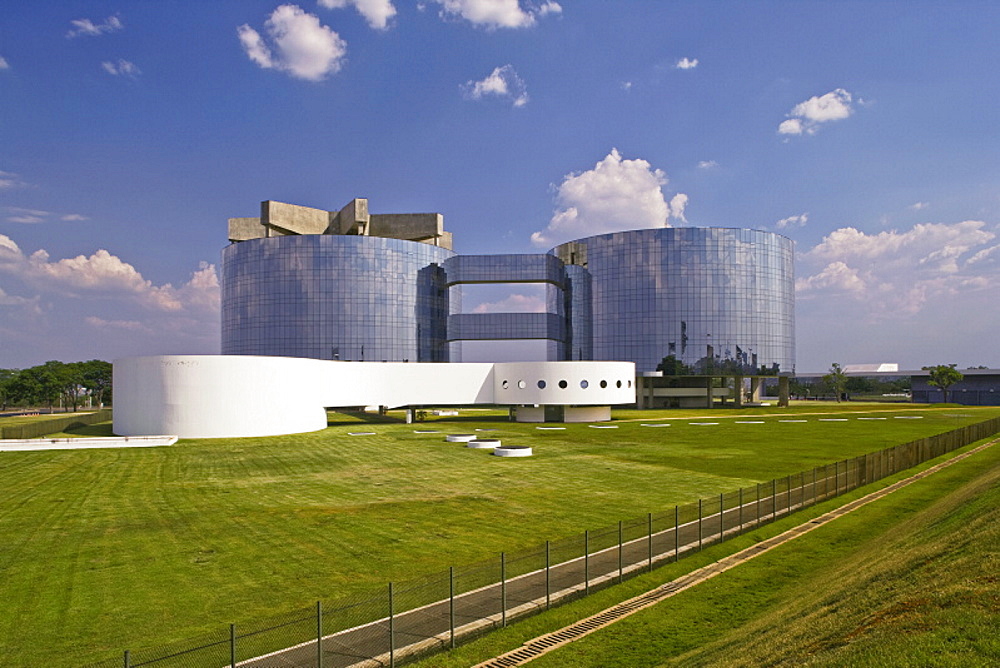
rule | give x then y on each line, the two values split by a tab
494	444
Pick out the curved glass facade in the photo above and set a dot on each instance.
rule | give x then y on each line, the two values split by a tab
712	297
336	297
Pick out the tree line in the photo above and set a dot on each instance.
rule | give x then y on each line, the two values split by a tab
68	383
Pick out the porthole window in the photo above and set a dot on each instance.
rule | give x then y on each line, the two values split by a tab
630	383
604	384
618	384
584	384
563	384
541	385
521	384
504	384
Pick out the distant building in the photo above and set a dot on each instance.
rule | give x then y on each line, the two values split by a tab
979	387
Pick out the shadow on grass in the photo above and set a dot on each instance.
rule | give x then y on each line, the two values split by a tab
100	429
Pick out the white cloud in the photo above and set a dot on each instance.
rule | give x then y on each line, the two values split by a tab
105	275
28	304
677	205
4	65
10	181
30	216
919	206
515	303
900	273
299	44
88	27
806	117
792	222
376	12
626	86
708	164
492	14
686	64
123	68
615	195
502	82
127	325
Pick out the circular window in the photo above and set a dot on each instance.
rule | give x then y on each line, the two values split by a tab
521	384
541	385
618	384
584	384
604	384
630	383
504	384
563	384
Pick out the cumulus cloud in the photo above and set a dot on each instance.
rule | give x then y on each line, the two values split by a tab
376	12
806	117
895	272
296	43
515	303
492	14
677	205
11	181
615	195
792	222
105	275
502	82
122	68
29	305
686	64
4	65
89	28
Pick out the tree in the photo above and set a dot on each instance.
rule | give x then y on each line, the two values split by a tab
97	378
7	377
943	376
671	366
837	380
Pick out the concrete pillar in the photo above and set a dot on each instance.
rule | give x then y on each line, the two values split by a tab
755	385
738	392
783	391
409	415
709	397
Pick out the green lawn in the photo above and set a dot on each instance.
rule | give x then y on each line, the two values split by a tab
112	549
908	581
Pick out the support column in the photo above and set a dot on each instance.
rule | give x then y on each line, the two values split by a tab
738	392
783	391
709	397
755	386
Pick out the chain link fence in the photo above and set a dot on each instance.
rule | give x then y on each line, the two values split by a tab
410	620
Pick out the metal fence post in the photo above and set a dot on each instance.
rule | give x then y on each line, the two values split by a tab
319	634
451	604
722	517
677	532
548	595
586	562
621	573
232	645
649	524
836	478
503	589
814	486
392	632
699	524
128	660
758	504
774	498
788	495
740	532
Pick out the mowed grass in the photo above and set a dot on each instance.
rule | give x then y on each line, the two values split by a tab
111	549
910	580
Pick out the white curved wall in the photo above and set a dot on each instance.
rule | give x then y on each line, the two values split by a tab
215	396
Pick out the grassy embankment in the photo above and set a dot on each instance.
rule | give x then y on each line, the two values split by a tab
910	580
108	549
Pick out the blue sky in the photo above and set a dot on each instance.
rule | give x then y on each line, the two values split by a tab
867	132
